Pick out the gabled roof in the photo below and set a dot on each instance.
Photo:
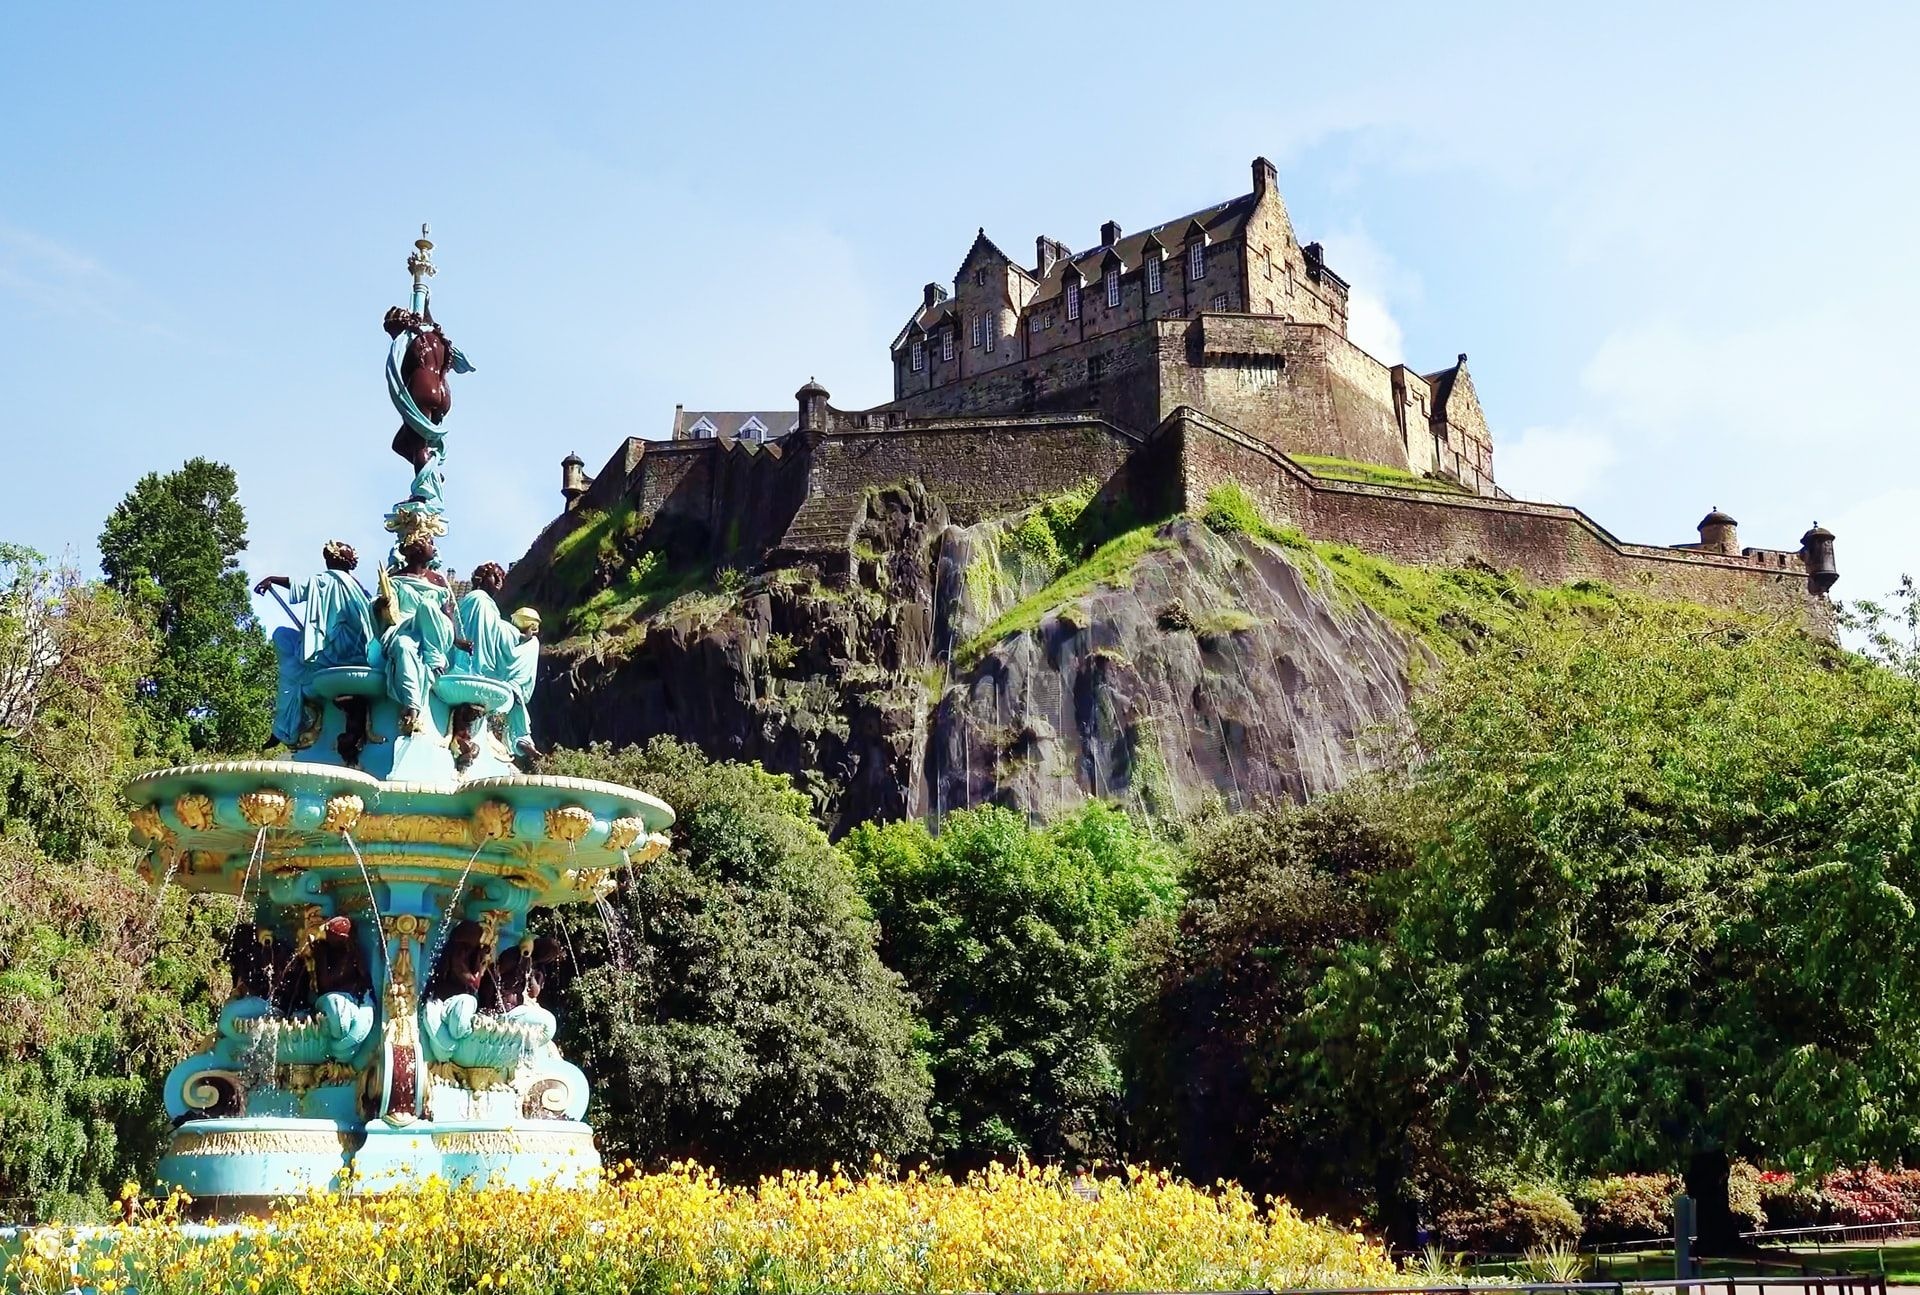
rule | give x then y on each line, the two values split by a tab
981	240
1443	381
728	422
926	319
1221	222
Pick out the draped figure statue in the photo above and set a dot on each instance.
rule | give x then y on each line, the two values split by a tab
336	630
419	639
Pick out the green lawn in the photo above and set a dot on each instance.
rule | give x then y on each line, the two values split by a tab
1373	474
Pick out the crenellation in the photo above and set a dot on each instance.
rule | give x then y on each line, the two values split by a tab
1158	366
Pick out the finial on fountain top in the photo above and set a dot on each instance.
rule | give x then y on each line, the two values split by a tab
420	266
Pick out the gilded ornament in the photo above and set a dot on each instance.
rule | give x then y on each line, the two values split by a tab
342	812
493	820
656	845
205	862
623	832
146	821
416	829
568	823
409	926
592	882
267	807
195	811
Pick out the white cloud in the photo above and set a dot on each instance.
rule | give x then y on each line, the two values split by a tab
1554	464
1376	279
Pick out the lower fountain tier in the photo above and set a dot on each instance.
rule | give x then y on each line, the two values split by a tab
239	1166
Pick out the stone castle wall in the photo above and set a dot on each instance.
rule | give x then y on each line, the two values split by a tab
1546	543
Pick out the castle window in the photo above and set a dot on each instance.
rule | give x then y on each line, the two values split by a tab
980	276
1113	288
755	430
979	329
919	356
1153	273
1196	261
946	343
703	429
1219	301
1033	323
993	332
1073	299
1096	367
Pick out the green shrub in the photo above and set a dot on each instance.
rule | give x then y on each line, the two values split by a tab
1525	1216
1628	1207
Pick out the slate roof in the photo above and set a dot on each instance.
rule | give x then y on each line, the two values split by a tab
1223	222
728	422
1442	383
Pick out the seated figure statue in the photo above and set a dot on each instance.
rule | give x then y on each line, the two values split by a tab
526	671
416	606
498	648
337	629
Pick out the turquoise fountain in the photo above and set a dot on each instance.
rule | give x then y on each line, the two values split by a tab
386	1023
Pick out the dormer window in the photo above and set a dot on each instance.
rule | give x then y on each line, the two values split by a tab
702	430
1153	273
755	430
919	356
946	343
1196	261
979	330
1073	298
1113	288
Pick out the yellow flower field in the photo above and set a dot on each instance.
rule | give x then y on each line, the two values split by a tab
683	1231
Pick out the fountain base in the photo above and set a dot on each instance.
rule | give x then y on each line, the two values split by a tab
239	1166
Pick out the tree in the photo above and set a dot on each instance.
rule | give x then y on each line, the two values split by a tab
1023	946
103	985
1229	1086
1662	910
734	1010
171	549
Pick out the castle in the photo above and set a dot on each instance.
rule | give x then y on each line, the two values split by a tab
1204	350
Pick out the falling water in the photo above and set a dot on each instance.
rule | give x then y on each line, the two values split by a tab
566	937
379	924
446	918
153	919
616	938
246	878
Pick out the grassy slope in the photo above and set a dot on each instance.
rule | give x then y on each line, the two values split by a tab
1373	474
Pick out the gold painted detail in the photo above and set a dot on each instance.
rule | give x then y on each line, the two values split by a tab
506	1142
490	923
203	1091
203	862
408	926
656	845
623	832
146	821
342	812
303	1079
568	823
291	1142
594	883
415	829
195	811
267	807
474	1079
493	820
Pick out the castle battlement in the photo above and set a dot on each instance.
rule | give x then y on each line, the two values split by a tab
1204	350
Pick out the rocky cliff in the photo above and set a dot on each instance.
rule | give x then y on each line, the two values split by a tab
955	666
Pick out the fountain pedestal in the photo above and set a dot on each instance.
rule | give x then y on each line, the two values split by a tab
390	1027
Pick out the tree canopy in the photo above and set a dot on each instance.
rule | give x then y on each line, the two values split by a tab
735	1011
171	550
1021	945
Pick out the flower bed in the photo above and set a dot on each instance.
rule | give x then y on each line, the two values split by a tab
683	1231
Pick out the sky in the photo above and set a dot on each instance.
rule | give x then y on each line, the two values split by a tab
1677	241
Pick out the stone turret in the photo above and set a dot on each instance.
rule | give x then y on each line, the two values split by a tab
573	479
813	407
1816	554
1719	533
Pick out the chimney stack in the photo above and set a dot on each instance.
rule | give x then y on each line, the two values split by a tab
932	296
1110	233
1264	176
1047	252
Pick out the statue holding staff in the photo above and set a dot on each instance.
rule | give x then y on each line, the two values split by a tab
336	630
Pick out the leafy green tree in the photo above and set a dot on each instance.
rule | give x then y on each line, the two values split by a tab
102	988
1024	946
1229	1084
1662	910
171	549
733	1010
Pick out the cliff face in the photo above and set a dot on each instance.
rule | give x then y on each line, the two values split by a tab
956	669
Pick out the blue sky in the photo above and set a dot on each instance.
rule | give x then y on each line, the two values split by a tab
1677	241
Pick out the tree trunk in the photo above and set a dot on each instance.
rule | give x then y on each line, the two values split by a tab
1707	1178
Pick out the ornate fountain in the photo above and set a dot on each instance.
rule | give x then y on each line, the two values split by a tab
386	1022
